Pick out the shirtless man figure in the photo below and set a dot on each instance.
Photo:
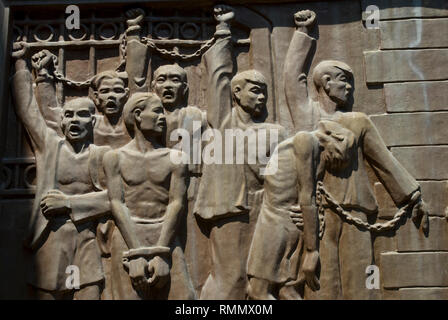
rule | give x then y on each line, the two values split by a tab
148	195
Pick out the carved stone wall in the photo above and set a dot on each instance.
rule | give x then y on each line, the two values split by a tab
400	81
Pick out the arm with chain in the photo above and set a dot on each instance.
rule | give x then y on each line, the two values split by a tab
46	98
137	55
219	65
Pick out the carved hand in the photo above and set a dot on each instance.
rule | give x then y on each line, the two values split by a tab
309	268
159	271
19	50
42	60
223	13
420	215
137	272
304	18
135	16
54	203
296	216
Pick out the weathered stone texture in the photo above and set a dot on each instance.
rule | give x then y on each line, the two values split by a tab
415	65
422	269
414	33
424	163
426	128
416	96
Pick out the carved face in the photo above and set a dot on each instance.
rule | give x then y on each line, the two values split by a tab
151	119
170	85
111	96
338	86
77	120
251	96
337	142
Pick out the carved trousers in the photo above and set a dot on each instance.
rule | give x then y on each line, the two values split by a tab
229	242
345	253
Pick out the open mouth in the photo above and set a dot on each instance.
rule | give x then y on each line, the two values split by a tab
168	94
75	129
111	105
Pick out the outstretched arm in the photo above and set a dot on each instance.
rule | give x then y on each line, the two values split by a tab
115	191
398	182
219	64
25	101
296	66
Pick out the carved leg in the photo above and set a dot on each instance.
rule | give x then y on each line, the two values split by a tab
289	293
91	292
259	289
355	251
227	279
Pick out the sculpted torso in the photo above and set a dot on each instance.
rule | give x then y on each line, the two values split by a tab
73	179
146	181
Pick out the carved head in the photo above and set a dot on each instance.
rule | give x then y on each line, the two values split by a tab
249	91
110	92
144	112
334	78
337	143
171	85
78	119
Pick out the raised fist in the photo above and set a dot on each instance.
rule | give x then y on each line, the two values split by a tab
42	60
304	18
19	50
135	16
223	13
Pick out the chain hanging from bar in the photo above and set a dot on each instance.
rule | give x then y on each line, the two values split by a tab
71	83
321	193
173	54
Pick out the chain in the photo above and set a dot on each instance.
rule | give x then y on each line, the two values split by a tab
377	227
173	54
60	77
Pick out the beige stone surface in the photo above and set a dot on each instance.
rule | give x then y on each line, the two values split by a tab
415	65
416	96
413	33
409	238
398	9
419	269
416	294
426	162
412	129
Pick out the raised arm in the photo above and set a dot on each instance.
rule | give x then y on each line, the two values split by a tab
137	59
219	64
46	91
120	212
24	100
297	62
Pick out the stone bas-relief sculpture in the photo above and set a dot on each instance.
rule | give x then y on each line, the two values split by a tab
69	192
111	201
147	194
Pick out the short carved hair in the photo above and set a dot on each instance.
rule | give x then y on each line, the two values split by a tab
82	100
243	77
337	142
324	68
109	74
135	103
178	68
